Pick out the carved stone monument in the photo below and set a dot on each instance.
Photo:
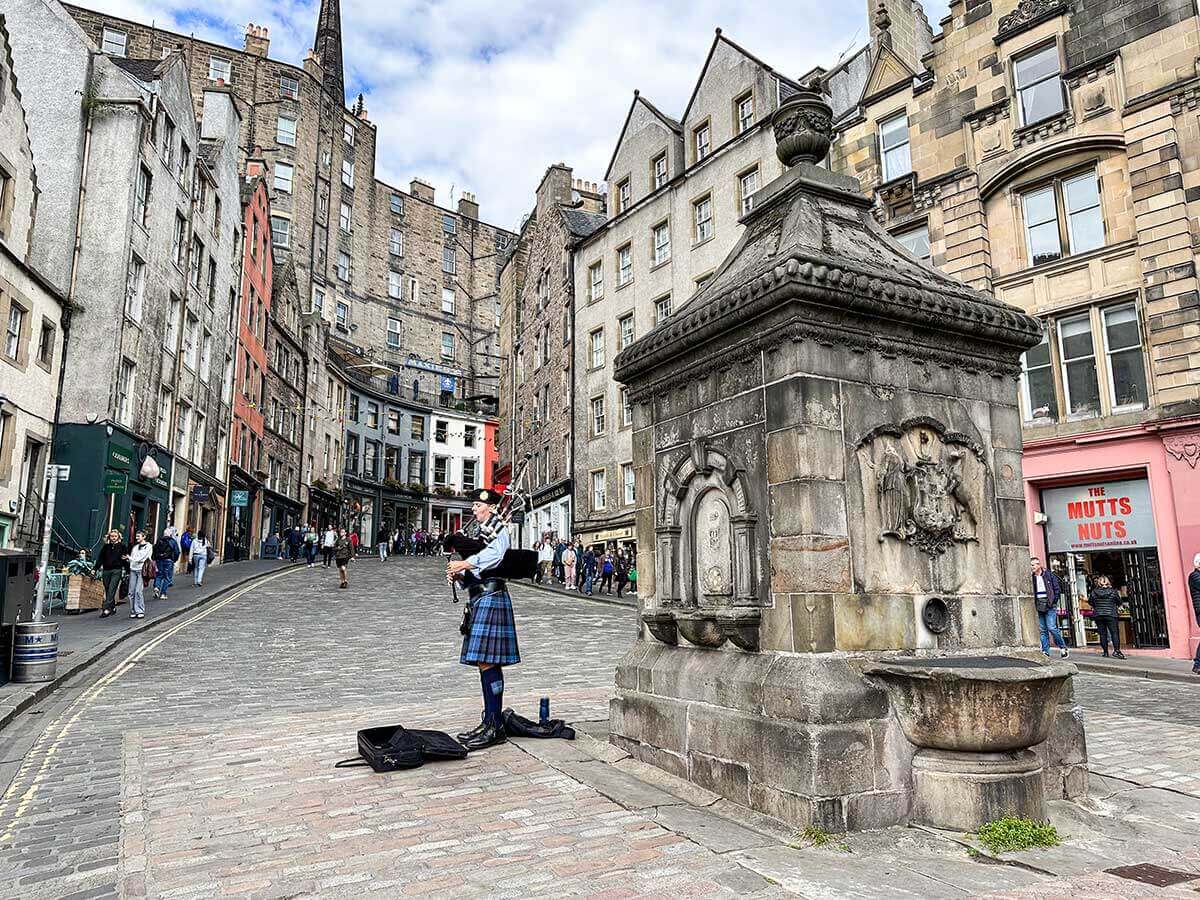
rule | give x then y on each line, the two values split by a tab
827	449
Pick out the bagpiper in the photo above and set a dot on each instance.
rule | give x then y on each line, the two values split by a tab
490	634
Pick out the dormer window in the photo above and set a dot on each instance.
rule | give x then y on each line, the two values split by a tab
1039	84
893	146
114	42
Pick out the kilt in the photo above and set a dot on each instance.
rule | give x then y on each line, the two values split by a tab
492	636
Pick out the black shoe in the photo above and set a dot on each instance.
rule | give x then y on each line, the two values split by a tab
1120	655
490	736
1104	654
474	732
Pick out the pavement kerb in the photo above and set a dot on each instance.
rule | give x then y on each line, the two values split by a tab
1133	670
35	693
595	598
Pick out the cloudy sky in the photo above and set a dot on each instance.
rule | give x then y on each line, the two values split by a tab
482	95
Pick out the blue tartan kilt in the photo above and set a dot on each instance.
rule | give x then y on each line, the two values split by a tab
492	637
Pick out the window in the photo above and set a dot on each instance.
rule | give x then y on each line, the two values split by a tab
125	393
893	146
177	240
185	158
599	491
449	225
198	436
418	428
114	42
626	408
289	87
12	335
470	432
212	281
283	177
661	242
416	467
348	173
702	141
447	346
916	242
344	217
743	112
343	315
702	282
1123	346
206	347
1064	214
1081	388
625	329
46	343
395	242
168	144
747	185
370	457
171	334
393	333
662	309
219	69
195	273
441	430
165	408
397	204
658	171
285	131
441	466
348	134
343	265
372	414
395	280
141	202
449	260
448	300
627	483
595	281
703	217
135	285
624	265
468	479
597	345
191	343
1037	383
597	416
1039	85
281	232
623	195
414	288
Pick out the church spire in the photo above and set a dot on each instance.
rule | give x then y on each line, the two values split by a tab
327	46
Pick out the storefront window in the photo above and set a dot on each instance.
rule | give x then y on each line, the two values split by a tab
1123	343
1079	367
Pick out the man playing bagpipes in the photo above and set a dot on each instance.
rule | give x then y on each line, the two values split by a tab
489	630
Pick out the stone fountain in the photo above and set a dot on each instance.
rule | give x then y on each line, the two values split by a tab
827	449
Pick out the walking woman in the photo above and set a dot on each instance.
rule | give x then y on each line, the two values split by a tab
1105	600
112	563
568	559
343	552
139	575
200	551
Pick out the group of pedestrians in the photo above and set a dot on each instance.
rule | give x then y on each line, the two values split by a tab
1104	599
129	569
579	568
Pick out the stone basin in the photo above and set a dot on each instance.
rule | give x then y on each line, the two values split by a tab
977	704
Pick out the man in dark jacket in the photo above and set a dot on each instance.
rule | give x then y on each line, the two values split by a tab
164	556
1194	590
1046	591
294	539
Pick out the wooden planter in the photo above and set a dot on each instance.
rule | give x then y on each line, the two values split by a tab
84	593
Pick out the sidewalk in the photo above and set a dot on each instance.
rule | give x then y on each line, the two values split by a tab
1135	666
629	598
85	637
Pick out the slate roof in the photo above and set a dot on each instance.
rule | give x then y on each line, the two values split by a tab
581	223
145	70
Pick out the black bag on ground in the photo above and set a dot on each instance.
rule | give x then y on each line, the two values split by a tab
518	726
387	748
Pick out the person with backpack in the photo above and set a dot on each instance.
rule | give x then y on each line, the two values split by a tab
201	552
164	555
606	572
185	546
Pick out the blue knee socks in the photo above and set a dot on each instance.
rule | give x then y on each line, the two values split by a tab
493	694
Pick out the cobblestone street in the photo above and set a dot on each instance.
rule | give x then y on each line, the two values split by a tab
199	762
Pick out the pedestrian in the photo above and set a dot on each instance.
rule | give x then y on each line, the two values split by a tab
175	554
141	570
354	542
1046	591
1194	590
545	559
622	573
113	563
579	567
343	551
556	567
397	542
1104	602
589	570
632	576
568	559
310	545
164	555
185	546
294	540
327	542
606	572
381	542
490	642
200	556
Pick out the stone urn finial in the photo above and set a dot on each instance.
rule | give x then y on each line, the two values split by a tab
803	126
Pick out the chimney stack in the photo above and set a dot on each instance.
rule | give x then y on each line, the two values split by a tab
422	190
258	41
467	206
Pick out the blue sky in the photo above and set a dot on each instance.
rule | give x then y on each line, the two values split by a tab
482	95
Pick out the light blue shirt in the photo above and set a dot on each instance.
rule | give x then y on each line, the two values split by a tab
490	555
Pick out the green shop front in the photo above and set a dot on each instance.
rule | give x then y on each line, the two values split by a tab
111	486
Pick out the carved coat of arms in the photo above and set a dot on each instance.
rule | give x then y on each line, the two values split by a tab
918	477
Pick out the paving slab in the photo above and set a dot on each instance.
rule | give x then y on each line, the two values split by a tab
709	829
626	789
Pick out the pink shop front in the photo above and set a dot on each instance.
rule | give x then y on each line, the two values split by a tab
1123	504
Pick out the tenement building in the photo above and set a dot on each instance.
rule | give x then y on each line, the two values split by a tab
143	197
677	190
537	290
33	316
283	415
1048	151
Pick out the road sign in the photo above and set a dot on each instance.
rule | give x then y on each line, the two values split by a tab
115	482
62	473
239	498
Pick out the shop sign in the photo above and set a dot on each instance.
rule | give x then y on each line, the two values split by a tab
200	493
448	383
119	457
1104	516
239	498
552	493
115	482
160	481
613	534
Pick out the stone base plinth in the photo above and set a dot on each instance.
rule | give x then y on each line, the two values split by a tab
963	791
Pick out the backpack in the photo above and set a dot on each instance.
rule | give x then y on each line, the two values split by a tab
390	747
186	541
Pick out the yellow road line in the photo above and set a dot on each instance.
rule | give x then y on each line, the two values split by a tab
82	701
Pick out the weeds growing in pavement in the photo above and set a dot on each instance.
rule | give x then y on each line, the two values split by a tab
1012	833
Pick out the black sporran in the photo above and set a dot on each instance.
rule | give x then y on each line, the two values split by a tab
465	626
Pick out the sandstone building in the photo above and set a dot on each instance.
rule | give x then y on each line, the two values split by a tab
1046	151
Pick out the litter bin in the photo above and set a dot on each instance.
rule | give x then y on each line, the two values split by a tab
17	590
35	652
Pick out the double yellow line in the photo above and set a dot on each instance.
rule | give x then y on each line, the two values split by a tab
48	743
